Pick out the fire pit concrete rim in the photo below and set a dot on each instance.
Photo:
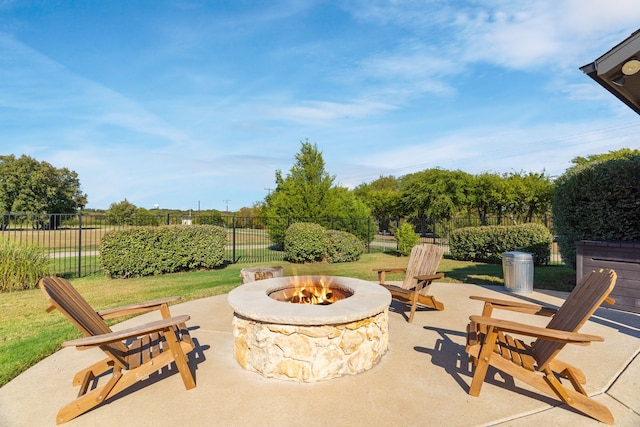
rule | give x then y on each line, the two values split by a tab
253	302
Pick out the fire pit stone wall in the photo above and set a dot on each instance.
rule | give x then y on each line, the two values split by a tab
306	342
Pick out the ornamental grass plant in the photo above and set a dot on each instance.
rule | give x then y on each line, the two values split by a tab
21	265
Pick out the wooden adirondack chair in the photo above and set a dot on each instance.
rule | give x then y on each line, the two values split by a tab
536	364
419	273
132	354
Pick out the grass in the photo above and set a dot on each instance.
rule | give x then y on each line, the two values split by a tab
29	334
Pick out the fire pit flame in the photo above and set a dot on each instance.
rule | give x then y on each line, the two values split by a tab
308	291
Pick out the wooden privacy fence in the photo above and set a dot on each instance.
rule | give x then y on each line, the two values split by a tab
73	240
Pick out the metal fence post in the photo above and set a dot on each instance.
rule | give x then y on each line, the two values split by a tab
79	245
233	226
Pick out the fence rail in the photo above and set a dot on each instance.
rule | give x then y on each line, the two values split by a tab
73	240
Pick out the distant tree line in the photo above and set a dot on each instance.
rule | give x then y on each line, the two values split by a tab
443	194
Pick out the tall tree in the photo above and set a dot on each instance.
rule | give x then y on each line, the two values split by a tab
303	193
307	194
30	186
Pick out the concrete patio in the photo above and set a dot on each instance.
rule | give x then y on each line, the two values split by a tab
422	380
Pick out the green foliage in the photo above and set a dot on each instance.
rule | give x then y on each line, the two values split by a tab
21	266
343	247
30	186
307	195
310	242
382	196
145	217
487	243
597	200
146	251
406	238
121	213
617	154
305	242
435	193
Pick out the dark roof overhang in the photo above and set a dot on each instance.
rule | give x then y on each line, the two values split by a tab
609	73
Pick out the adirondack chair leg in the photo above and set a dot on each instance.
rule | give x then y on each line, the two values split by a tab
88	400
580	402
414	305
483	359
180	359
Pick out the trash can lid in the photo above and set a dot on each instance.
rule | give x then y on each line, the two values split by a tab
517	254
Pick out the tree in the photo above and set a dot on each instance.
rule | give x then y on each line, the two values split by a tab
121	213
382	196
435	193
30	186
531	195
488	195
303	193
307	194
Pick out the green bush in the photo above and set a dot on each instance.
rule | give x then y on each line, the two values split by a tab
343	247
145	251
406	238
597	201
305	242
21	266
310	242
487	243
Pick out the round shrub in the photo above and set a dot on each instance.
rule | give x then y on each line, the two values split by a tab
145	251
21	266
406	238
305	242
343	246
487	243
597	201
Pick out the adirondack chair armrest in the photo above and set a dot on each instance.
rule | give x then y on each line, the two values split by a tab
535	331
521	307
137	308
136	331
429	277
382	272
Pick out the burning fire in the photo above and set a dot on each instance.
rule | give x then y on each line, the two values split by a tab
311	292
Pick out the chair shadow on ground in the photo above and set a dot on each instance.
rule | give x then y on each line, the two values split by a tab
196	357
404	309
452	357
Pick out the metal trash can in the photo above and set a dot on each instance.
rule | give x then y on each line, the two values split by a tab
517	268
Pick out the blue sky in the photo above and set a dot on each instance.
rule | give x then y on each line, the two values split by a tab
180	103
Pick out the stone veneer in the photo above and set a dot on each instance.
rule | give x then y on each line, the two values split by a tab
308	342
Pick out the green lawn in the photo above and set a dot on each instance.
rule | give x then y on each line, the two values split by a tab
28	333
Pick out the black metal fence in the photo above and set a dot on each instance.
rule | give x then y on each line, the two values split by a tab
73	240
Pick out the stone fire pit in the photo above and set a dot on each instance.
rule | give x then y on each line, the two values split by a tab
307	342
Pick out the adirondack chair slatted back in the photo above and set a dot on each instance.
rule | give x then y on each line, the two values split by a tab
424	259
581	303
63	296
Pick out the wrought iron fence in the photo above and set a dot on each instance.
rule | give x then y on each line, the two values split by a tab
73	240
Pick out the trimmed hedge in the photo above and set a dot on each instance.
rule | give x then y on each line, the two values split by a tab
146	251
597	201
21	266
343	246
310	242
487	243
305	241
